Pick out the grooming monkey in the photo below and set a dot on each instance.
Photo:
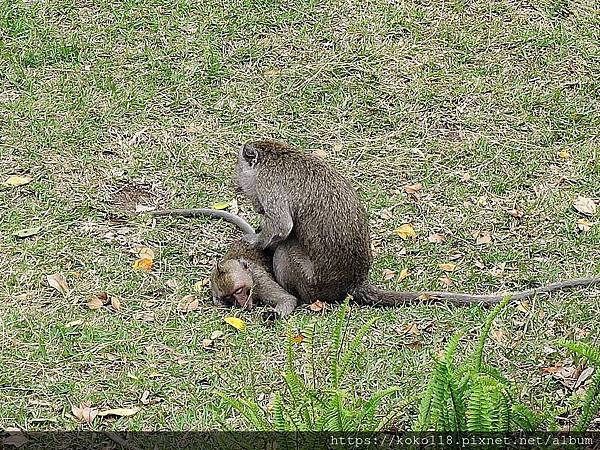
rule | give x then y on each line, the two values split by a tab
245	274
313	220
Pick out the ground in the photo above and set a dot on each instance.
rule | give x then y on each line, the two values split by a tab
492	106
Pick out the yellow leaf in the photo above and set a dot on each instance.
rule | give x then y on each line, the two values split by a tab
584	225
564	154
144	264
144	253
17	180
403	274
199	285
221	205
406	231
448	267
235	322
121	412
298	338
58	282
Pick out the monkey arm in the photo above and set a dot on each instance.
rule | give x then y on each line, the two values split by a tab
270	292
276	226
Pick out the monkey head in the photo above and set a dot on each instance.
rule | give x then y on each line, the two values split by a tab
232	283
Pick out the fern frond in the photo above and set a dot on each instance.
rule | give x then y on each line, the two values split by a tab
255	415
366	416
584	350
486	331
591	403
336	344
350	353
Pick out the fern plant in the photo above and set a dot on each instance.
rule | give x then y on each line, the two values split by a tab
473	397
305	406
591	401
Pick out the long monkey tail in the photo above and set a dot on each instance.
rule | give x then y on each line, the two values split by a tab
201	212
372	295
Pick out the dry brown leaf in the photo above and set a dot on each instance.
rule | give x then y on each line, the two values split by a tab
584	225
84	413
482	237
517	213
436	238
17	180
447	281
317	306
188	303
498	335
406	231
144	264
498	270
320	153
585	374
479	264
120	412
411	329
144	253
412	188
585	205
386	214
58	282
465	177
524	306
74	323
448	267
99	300
115	302
144	316
337	147
206	343
403	274
297	339
388	274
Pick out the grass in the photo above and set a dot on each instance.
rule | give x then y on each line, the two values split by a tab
101	103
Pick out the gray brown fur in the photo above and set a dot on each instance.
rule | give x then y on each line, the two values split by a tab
317	226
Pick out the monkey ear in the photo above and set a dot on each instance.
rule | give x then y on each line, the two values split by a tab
250	154
220	267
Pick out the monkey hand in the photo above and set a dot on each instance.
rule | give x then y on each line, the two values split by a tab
270	315
250	239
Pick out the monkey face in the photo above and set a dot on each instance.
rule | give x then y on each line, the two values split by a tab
231	283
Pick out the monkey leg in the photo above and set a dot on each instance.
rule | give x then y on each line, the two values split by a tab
294	270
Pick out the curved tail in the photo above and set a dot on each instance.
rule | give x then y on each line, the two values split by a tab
199	212
373	295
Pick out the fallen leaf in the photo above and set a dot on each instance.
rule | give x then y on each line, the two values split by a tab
403	274
517	213
84	413
17	180
144	316
386	214
482	237
406	231
74	323
221	205
144	208
436	238
585	374
298	338
115	302
320	153
498	335
26	232
316	306
206	343
58	282
466	176
585	205
120	412
216	334
411	329
584	225
172	283
448	267
388	274
144	398
564	154
337	147
98	301
479	264
413	188
144	253
188	303
235	322
523	306
498	270
447	281
271	72
144	264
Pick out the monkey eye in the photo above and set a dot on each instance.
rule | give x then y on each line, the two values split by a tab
238	290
